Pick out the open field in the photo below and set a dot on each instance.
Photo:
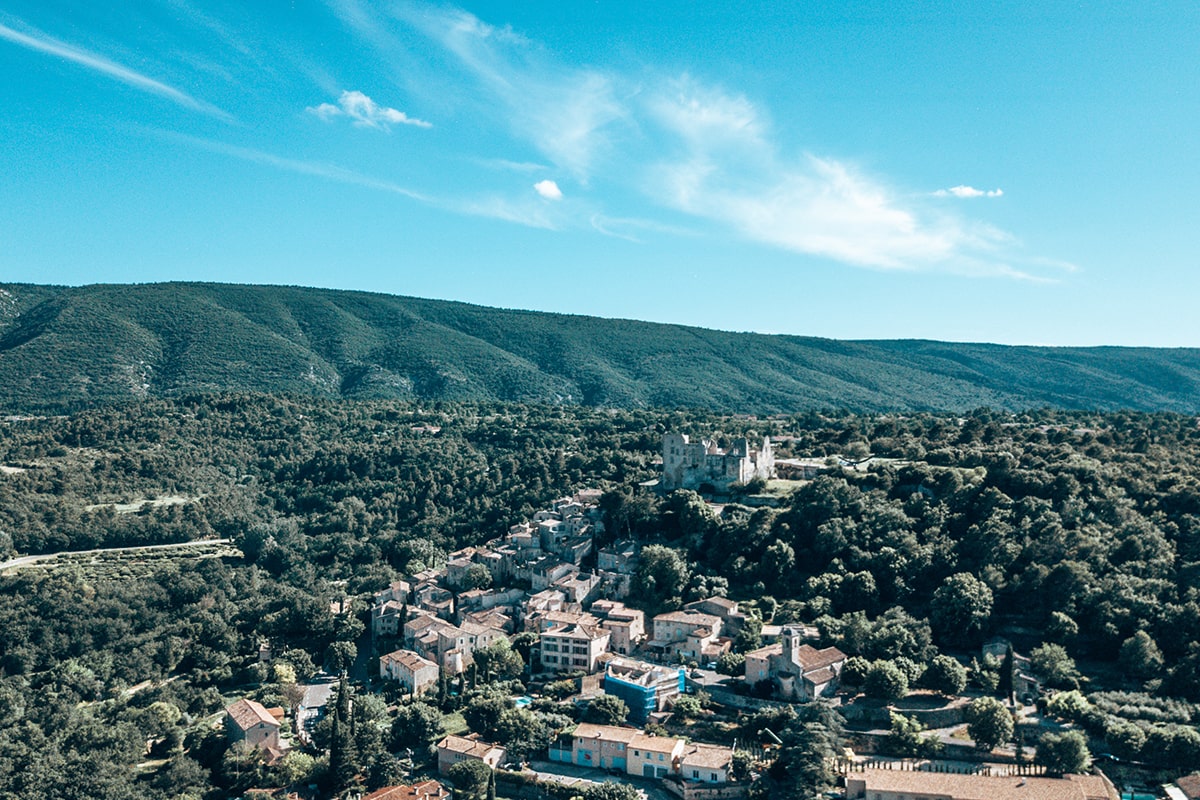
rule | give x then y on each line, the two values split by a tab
118	562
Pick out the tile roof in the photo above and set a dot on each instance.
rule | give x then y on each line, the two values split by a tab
1190	784
708	756
608	733
425	790
655	744
811	658
409	659
981	787
247	713
467	746
689	617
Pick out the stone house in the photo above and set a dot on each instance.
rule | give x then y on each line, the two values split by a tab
414	673
706	763
577	646
654	756
799	671
454	749
387	618
250	722
688	634
628	625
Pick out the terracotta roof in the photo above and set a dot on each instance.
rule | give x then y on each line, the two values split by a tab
820	676
467	746
689	617
1190	785
707	756
811	658
578	631
608	733
247	713
766	651
980	787
655	744
409	659
425	790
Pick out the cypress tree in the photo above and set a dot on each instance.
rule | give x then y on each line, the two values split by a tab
342	757
1005	685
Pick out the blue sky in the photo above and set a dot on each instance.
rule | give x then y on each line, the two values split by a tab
1022	173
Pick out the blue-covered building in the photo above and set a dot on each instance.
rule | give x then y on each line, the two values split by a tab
645	688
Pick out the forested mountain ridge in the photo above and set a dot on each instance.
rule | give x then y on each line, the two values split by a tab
68	348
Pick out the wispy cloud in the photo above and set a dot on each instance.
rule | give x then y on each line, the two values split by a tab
531	214
548	189
623	227
730	172
697	149
365	112
968	192
566	112
510	166
33	39
317	169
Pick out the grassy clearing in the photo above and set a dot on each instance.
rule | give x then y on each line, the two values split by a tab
134	506
129	563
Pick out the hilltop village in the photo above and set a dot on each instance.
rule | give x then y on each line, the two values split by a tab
550	609
299	601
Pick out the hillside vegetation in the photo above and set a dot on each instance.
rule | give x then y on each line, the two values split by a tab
1075	534
65	349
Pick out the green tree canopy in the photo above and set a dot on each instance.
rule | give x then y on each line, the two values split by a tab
945	675
1064	753
989	723
885	681
960	608
607	709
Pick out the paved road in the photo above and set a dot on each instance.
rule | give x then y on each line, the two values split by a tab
26	560
313	705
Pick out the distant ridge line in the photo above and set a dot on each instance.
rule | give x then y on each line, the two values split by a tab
67	348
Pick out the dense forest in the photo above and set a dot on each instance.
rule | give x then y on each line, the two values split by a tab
72	348
1077	535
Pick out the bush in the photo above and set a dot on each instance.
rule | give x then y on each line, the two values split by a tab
885	681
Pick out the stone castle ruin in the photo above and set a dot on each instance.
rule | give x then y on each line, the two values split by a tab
696	465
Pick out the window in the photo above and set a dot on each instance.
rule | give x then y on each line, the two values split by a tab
660	756
696	774
712	776
636	753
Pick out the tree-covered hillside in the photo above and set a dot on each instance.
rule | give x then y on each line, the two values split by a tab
1077	535
65	349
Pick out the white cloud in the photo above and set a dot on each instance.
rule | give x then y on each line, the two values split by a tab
566	112
727	170
692	148
511	166
548	189
533	214
968	192
35	40
365	112
315	168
